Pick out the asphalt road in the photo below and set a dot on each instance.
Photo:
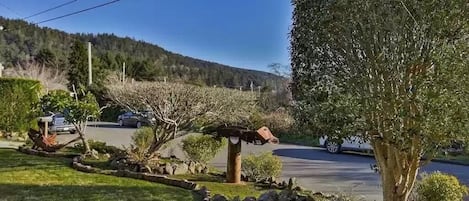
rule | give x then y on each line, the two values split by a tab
314	168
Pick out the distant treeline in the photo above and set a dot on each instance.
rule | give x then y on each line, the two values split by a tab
21	41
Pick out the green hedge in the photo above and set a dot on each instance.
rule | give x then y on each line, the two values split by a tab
18	100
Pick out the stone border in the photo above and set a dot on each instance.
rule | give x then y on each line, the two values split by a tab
35	152
189	185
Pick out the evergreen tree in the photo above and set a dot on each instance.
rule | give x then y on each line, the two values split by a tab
46	57
78	66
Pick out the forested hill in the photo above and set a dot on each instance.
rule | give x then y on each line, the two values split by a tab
20	41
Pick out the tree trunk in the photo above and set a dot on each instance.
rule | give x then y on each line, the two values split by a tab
85	144
390	187
161	137
398	171
84	141
233	168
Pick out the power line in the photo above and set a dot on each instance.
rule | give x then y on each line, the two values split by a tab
50	9
80	11
11	10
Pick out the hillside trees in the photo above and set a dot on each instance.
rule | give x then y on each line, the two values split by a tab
23	41
392	72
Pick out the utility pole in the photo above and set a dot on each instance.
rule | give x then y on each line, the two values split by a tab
1	66
1	69
90	76
123	72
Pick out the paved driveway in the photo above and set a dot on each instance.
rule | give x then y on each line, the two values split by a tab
314	168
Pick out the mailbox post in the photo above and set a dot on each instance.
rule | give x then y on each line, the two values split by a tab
235	135
233	173
46	121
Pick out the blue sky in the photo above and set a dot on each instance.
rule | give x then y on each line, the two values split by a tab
241	33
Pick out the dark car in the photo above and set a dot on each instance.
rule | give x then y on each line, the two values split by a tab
133	119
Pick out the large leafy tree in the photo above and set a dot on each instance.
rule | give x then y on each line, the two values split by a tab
76	110
393	72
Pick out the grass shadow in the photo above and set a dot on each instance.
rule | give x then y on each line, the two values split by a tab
91	192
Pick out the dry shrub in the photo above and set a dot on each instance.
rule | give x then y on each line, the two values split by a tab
50	78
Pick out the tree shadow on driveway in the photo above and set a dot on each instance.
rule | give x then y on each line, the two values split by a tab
316	168
322	155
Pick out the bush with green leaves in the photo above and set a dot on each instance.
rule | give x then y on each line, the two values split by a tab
18	102
261	166
76	110
440	187
99	146
202	148
141	140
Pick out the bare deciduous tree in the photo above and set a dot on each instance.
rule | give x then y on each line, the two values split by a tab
177	106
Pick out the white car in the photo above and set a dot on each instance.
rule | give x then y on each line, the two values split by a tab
352	144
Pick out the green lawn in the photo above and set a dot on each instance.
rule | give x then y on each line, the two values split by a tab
24	177
216	185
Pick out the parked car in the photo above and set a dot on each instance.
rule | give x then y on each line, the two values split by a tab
351	144
355	143
57	123
135	119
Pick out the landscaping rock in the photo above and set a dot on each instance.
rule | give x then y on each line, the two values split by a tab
94	154
205	170
318	194
192	167
298	188
219	197
121	165
250	199
107	155
181	169
199	168
204	192
269	196
168	169
236	199
160	170
283	185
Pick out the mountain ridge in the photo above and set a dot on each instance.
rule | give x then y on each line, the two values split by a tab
22	40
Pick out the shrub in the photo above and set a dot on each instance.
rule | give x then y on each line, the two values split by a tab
51	78
18	102
262	166
141	140
279	121
202	148
440	187
99	146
